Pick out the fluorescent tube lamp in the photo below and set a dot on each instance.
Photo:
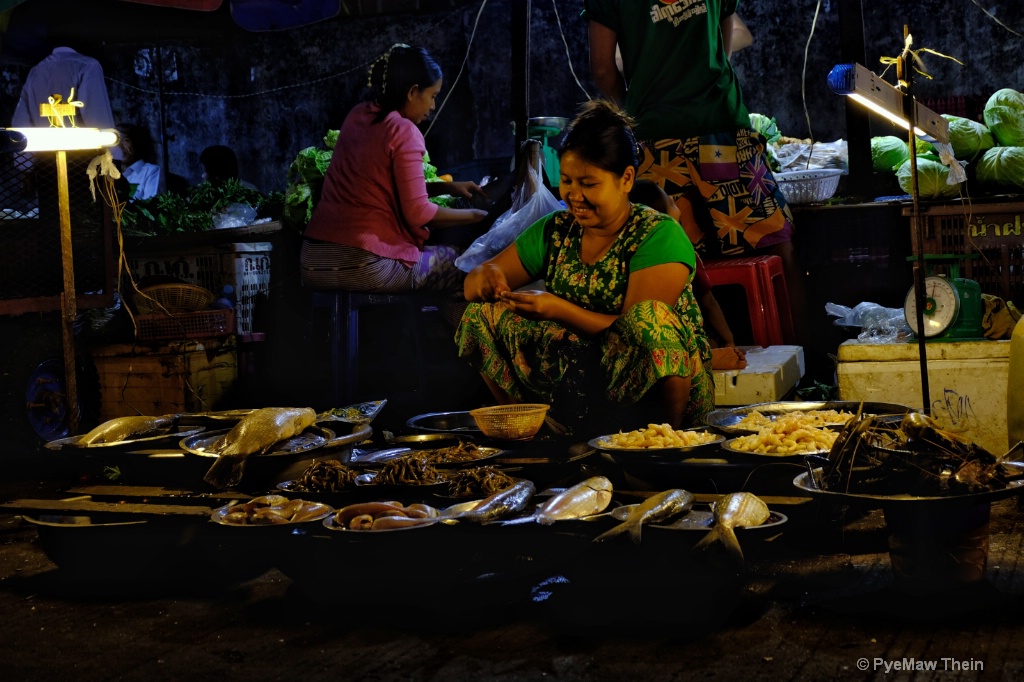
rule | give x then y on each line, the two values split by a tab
865	87
66	139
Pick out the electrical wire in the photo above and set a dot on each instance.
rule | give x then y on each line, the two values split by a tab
993	18
803	82
568	54
465	59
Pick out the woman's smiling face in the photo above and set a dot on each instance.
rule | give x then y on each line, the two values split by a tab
597	198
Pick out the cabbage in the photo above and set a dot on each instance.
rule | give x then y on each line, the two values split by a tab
931	178
968	138
888	152
1004	116
766	127
1001	167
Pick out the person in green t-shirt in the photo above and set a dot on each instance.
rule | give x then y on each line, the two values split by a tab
617	324
675	79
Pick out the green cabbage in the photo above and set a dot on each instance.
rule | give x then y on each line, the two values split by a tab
1004	116
931	178
766	127
1001	167
968	138
888	153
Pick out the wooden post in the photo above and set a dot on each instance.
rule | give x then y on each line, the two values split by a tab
69	306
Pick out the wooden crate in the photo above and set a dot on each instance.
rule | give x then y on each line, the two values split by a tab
157	379
988	233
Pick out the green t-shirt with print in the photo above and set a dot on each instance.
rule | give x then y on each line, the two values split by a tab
679	80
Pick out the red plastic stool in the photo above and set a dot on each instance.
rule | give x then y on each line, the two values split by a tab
761	277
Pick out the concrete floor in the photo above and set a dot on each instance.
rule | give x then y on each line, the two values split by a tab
811	603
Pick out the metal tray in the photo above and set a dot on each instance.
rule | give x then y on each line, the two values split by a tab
803	482
601	443
725	419
312	438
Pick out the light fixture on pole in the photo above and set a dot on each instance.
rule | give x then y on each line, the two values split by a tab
899	106
61	140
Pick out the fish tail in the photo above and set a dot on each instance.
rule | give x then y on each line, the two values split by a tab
226	471
725	535
617	530
634	533
708	539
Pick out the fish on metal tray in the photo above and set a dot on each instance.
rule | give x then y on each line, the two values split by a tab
735	510
254	434
655	508
495	506
591	496
123	428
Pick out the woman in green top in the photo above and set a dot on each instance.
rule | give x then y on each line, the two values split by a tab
617	311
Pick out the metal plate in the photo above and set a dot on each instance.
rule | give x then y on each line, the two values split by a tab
219	514
735	454
804	483
725	419
71	442
445	422
601	443
312	438
705	520
360	413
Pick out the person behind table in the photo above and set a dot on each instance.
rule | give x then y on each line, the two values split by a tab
689	108
725	355
220	165
369	229
143	177
618	304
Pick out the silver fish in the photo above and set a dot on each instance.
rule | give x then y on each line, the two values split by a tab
592	496
254	434
735	510
493	507
655	508
123	428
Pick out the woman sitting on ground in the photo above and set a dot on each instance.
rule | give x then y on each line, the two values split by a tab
618	306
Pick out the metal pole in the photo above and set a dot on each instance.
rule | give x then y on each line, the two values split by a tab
905	76
68	304
520	70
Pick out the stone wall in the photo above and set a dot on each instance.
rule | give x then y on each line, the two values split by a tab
196	79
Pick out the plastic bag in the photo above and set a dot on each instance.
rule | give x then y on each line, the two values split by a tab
794	156
235	215
531	201
878	324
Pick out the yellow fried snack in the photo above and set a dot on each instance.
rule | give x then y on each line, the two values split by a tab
658	436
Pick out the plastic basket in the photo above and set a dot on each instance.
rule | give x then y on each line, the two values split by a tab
511	422
202	324
172	298
808	186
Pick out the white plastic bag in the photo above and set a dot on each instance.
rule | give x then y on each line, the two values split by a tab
531	201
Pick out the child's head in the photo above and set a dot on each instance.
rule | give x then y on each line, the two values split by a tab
650	194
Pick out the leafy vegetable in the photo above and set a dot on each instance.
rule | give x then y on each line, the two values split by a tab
766	127
968	138
168	212
888	153
1004	116
931	178
1001	167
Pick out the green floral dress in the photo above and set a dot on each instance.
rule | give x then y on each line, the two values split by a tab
542	361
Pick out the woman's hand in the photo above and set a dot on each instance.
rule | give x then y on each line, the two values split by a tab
486	283
533	305
464	188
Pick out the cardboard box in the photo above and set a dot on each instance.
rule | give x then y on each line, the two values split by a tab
158	379
770	374
966	383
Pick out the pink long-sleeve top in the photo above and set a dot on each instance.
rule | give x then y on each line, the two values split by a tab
374	194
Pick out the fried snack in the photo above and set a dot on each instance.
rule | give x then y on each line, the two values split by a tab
756	420
478	481
409	470
658	436
786	437
323	476
273	510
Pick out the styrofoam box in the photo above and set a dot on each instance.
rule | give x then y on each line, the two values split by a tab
770	374
245	266
966	383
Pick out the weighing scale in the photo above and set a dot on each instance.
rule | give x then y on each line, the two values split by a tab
953	306
543	128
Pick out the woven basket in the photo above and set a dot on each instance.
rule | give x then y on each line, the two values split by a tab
174	298
808	186
510	422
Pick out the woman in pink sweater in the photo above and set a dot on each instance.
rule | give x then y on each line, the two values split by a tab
370	227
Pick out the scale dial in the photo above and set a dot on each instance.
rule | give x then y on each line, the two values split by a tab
941	306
